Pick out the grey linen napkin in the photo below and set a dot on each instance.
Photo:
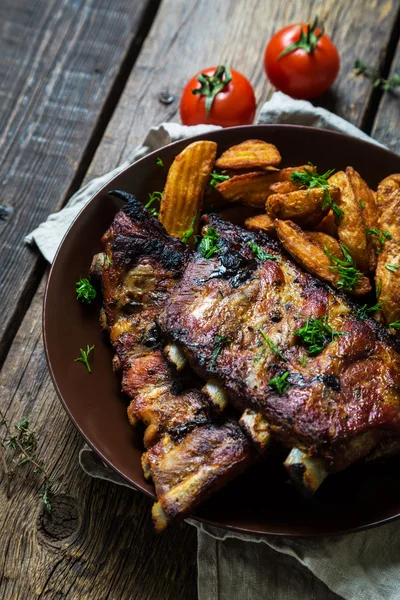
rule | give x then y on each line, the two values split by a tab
361	566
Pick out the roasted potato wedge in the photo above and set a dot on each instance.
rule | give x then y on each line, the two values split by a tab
369	210
187	178
388	201
312	258
326	241
328	225
387	278
261	223
251	188
304	207
351	229
248	155
284	187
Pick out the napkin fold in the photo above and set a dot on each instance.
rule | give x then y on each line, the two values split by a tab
360	566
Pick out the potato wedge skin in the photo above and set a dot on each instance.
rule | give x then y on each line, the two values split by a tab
326	241
311	257
304	207
369	210
261	223
351	230
388	202
328	225
251	189
249	154
284	187
184	190
389	281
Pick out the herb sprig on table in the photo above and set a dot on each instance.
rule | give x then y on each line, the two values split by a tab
309	179
84	357
23	446
389	84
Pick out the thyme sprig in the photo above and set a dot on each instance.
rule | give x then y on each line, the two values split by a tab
309	179
24	444
316	334
349	274
390	84
154	197
84	357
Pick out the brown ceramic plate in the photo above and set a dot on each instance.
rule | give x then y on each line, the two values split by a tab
260	501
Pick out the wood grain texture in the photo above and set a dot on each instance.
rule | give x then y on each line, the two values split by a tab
386	127
99	542
188	36
59	62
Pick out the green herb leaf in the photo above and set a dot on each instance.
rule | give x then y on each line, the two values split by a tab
159	162
392	268
349	274
108	260
85	357
211	85
378	288
187	235
302	360
361	201
380	236
220	342
271	344
260	253
363	311
316	334
85	292
209	244
216	178
310	178
395	325
280	383
153	197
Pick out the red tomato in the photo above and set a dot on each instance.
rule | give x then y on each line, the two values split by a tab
310	65
227	94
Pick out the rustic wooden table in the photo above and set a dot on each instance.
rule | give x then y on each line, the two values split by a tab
80	83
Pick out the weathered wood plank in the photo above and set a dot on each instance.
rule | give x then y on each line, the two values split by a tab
188	36
386	127
99	542
60	64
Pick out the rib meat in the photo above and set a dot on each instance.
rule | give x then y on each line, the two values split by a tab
235	317
140	266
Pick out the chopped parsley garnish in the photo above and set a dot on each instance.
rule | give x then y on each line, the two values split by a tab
349	274
378	288
363	311
209	244
260	253
316	333
220	342
280	383
361	201
392	268
85	292
216	178
302	360
395	325
187	235
108	260
380	237
270	343
310	178
84	357
154	197
159	162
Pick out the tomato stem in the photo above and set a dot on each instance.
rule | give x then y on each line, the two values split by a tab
211	85
308	39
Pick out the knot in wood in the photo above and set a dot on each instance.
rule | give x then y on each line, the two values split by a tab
62	522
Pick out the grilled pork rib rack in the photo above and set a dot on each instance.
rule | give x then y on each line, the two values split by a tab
234	316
